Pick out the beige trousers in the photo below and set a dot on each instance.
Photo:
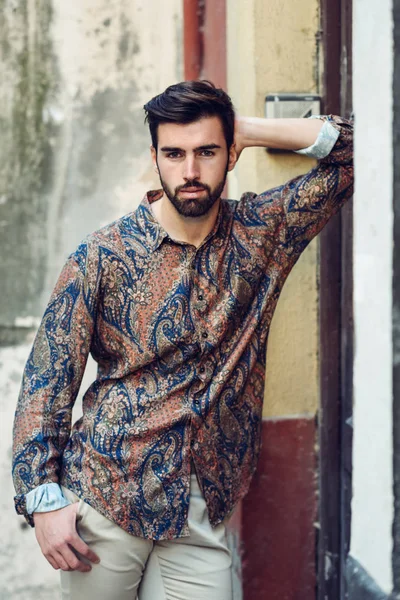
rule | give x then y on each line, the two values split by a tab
132	568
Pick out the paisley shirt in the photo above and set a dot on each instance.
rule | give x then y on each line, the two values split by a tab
179	334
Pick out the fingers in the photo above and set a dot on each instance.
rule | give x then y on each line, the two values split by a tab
60	542
65	559
72	562
79	545
52	561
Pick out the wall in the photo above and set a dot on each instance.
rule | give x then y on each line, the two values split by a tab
372	506
273	47
279	52
396	300
74	155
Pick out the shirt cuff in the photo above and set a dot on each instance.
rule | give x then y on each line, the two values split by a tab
324	143
45	497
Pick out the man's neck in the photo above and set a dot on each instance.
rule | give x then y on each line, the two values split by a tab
192	230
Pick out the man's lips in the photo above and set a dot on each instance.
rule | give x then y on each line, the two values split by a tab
191	190
191	193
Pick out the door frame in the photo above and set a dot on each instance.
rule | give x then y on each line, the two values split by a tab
336	329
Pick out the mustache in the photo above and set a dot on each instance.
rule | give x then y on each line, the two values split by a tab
192	184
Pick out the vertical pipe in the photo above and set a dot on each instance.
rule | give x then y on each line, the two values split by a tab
214	60
330	339
191	39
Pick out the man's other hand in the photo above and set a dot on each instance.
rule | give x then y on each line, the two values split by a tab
58	539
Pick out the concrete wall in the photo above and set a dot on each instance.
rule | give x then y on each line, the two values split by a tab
372	506
74	155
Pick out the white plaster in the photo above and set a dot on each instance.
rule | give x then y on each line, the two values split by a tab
88	51
372	506
53	114
27	322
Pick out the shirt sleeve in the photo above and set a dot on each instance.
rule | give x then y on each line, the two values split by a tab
285	219
324	143
45	498
51	380
310	200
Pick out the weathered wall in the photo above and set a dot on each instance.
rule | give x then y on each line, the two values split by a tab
372	506
272	47
279	53
74	155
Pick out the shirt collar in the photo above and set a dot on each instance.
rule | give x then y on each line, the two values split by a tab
154	232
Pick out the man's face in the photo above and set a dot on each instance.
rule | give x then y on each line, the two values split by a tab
193	162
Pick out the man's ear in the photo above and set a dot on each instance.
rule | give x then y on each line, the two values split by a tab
233	157
154	158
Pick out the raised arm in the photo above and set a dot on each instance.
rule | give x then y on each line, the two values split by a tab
301	207
285	134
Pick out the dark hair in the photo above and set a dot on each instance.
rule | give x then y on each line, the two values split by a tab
190	101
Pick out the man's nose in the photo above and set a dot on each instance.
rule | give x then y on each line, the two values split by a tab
191	169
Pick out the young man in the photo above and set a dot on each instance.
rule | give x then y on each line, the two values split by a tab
174	302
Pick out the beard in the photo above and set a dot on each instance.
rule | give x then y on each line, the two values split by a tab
194	207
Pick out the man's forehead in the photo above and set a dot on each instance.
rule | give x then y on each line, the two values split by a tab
207	130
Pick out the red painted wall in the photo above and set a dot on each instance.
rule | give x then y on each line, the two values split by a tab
204	40
279	513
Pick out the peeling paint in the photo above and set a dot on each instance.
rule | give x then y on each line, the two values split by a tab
74	155
24	154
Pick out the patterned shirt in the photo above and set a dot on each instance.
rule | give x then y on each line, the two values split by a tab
179	335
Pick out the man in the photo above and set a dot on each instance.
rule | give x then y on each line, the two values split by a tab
174	302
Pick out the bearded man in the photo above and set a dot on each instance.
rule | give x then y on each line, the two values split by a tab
174	302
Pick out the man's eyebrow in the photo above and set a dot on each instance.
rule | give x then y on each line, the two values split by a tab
176	149
171	149
207	147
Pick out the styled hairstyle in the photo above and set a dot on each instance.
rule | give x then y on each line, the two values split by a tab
187	102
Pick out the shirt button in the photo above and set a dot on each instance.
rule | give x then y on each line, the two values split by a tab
204	334
202	369
196	401
200	297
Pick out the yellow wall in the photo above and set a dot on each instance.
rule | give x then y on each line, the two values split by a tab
272	47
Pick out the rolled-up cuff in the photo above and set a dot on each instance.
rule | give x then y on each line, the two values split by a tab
45	498
324	143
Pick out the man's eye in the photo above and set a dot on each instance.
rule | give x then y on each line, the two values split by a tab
173	155
207	153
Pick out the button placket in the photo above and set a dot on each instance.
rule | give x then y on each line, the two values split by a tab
194	445
201	372
205	368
